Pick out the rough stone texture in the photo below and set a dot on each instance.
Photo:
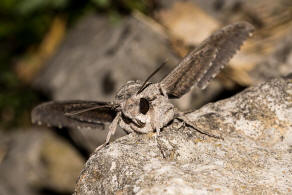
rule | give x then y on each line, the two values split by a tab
254	157
35	160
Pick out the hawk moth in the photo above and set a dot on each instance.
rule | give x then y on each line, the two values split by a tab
145	107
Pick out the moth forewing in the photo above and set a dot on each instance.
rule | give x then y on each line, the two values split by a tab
189	71
54	113
205	62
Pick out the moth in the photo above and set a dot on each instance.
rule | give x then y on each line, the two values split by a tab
145	107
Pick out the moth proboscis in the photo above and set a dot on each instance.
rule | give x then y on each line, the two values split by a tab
145	107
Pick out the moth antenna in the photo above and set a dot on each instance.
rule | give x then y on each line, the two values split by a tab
85	110
150	76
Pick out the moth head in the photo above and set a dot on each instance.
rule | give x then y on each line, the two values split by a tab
146	111
136	106
135	114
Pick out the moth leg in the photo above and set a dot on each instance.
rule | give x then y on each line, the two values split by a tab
191	124
112	130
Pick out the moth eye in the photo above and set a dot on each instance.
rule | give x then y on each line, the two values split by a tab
144	106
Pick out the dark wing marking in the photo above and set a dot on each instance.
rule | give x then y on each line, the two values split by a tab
54	114
205	62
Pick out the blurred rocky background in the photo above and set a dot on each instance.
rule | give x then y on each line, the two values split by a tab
62	49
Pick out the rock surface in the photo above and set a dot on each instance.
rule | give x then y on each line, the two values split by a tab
254	157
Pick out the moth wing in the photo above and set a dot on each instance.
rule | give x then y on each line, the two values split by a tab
205	62
55	113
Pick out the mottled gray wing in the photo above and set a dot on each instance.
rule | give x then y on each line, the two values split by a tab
205	62
55	113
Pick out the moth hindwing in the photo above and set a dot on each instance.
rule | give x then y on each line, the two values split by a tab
145	107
